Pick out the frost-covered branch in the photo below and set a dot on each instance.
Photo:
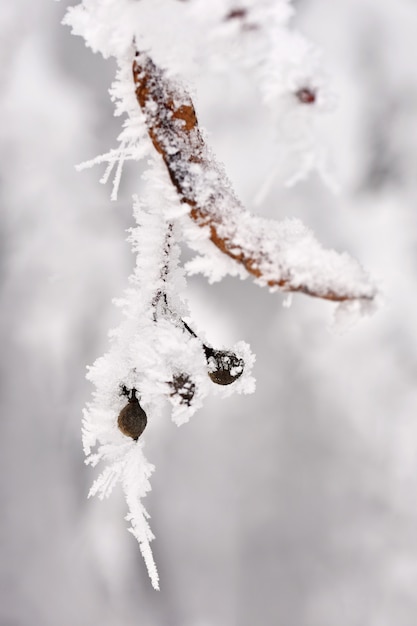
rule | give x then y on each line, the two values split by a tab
157	358
285	254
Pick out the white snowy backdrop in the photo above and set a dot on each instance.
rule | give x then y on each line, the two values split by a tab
293	506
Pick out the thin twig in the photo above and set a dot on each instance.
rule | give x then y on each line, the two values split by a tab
162	293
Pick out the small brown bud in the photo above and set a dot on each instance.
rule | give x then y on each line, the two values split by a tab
183	386
236	14
132	418
224	367
306	95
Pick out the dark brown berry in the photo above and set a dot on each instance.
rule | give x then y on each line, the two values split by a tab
132	418
224	367
183	387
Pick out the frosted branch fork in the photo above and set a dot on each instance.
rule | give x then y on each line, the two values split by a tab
201	183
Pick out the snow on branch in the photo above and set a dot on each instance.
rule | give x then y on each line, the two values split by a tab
279	254
157	357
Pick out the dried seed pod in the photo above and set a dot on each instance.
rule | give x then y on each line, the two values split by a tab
224	367
132	418
183	386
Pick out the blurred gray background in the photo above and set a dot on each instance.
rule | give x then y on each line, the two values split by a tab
296	506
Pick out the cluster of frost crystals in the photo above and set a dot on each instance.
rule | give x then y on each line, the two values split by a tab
257	35
151	352
134	142
189	37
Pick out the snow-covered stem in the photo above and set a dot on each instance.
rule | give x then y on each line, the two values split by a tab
283	255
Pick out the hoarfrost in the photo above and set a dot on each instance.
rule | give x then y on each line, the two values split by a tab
155	358
152	354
